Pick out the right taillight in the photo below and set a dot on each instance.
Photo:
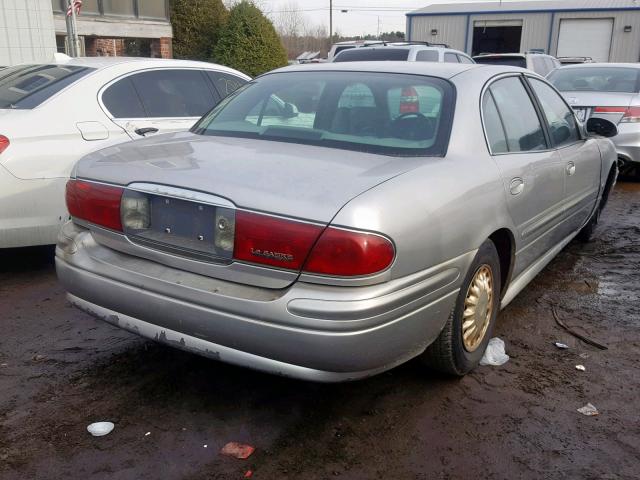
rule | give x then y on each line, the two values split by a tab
95	203
629	114
312	248
4	143
348	253
273	241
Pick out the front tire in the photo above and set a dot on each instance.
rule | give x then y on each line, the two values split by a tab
464	338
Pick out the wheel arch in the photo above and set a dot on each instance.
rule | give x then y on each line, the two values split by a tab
504	241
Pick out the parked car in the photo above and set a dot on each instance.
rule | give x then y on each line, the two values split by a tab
404	52
329	222
610	91
336	48
53	114
540	63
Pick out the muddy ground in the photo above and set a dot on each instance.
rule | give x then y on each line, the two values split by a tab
61	370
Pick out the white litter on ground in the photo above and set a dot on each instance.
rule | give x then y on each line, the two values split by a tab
589	410
100	429
494	354
582	368
561	346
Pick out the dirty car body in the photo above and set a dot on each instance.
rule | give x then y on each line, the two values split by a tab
320	222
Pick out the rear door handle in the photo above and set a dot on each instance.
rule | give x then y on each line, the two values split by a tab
571	168
516	186
143	131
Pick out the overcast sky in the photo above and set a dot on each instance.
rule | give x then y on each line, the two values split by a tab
362	15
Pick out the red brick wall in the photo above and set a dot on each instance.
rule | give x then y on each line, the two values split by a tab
103	47
161	48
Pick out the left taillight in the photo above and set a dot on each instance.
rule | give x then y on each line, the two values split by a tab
95	203
4	143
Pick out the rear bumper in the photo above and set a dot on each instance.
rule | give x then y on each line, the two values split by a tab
31	211
313	332
627	142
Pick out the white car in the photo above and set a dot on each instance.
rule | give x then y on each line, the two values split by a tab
53	114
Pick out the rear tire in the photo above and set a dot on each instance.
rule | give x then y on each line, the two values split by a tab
450	353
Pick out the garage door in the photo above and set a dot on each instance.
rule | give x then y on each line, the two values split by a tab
585	37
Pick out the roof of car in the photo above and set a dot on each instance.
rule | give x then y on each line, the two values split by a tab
106	62
442	70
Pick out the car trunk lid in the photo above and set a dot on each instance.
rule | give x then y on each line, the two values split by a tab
302	187
288	179
610	106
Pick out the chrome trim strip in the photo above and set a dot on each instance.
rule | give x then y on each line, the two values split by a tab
180	193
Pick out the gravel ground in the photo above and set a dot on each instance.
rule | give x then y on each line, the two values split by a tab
61	370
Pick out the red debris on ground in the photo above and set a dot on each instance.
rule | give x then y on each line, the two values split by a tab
237	450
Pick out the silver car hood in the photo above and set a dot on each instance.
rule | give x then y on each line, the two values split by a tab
290	179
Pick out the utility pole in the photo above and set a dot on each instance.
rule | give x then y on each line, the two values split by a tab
330	21
72	31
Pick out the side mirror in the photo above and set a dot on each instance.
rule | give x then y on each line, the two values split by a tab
602	127
290	110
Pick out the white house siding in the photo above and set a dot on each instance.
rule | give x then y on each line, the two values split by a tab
26	31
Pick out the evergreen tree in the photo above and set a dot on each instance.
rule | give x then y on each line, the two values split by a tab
248	41
196	27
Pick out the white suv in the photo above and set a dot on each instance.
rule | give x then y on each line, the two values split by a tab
404	51
540	63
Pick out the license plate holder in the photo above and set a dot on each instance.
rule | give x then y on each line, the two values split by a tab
183	227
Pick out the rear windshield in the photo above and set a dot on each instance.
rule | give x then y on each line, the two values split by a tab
390	114
596	79
372	54
27	86
506	61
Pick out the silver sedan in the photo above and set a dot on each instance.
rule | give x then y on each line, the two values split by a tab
610	91
329	222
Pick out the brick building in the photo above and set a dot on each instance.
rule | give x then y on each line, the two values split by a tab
118	27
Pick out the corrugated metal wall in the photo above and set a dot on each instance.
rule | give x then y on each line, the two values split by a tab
451	30
535	28
455	30
625	47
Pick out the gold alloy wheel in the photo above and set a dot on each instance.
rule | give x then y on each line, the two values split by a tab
478	308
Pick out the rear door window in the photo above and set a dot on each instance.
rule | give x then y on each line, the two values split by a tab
496	136
26	87
427	56
540	66
519	117
174	93
451	58
122	101
560	119
225	83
